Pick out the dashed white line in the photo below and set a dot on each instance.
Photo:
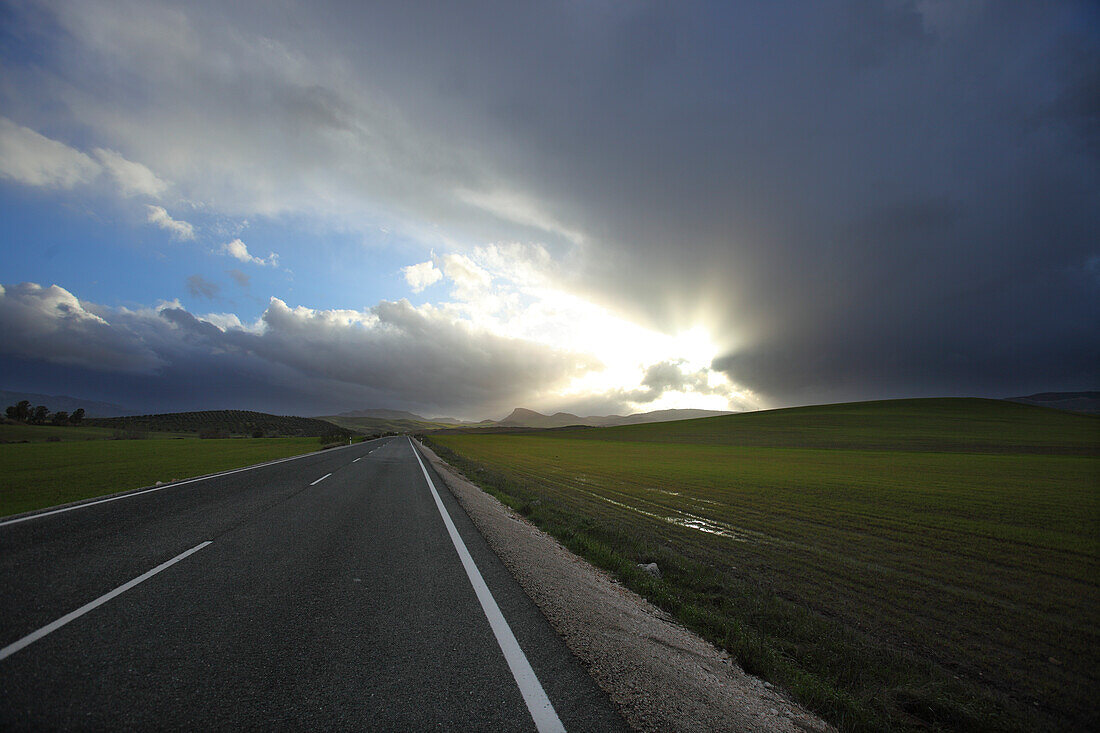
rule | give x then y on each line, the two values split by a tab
320	479
538	704
358	459
51	627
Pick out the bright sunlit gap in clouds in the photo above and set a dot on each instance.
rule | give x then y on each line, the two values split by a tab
515	291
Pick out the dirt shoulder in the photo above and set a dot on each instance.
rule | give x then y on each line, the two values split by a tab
662	676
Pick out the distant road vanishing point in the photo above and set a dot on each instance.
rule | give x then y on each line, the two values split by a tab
337	590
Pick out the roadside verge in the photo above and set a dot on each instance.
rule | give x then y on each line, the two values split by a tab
662	676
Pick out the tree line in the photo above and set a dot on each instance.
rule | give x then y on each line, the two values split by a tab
41	415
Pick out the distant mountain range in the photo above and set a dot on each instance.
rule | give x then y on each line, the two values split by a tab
404	421
402	415
385	420
400	420
64	402
522	418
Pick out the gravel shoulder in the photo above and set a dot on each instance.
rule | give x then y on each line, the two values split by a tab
662	676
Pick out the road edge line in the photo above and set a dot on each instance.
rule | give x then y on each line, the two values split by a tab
538	704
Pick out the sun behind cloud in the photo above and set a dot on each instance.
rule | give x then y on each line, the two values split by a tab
516	291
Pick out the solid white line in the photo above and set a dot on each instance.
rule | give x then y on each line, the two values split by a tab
542	711
129	494
320	479
51	627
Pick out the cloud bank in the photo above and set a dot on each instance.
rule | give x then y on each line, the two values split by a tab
854	200
317	360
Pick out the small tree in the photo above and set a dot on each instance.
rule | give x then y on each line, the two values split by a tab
23	410
11	412
40	414
60	418
77	416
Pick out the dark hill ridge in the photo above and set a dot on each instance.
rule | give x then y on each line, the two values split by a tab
1087	402
397	416
522	418
229	422
383	414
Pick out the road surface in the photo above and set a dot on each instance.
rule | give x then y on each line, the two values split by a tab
325	591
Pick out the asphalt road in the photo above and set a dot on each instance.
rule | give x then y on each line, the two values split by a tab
302	604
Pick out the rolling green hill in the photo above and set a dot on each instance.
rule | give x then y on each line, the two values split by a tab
948	424
897	565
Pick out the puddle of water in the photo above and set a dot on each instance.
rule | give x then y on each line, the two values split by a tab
704	526
665	491
688	520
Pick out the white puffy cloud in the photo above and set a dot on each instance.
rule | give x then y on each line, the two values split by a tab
238	250
421	275
470	281
36	160
131	178
158	216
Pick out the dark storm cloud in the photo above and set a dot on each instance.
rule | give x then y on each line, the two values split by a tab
859	199
863	199
393	354
50	324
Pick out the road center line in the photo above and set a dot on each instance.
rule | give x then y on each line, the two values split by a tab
320	479
358	459
54	626
538	704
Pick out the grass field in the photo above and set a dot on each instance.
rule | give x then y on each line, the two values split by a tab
37	475
19	433
907	564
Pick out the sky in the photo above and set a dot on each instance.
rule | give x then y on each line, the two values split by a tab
597	207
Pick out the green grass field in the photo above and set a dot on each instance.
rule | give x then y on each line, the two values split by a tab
19	433
36	475
906	565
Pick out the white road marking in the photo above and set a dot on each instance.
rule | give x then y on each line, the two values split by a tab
358	459
129	494
538	704
51	627
320	479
